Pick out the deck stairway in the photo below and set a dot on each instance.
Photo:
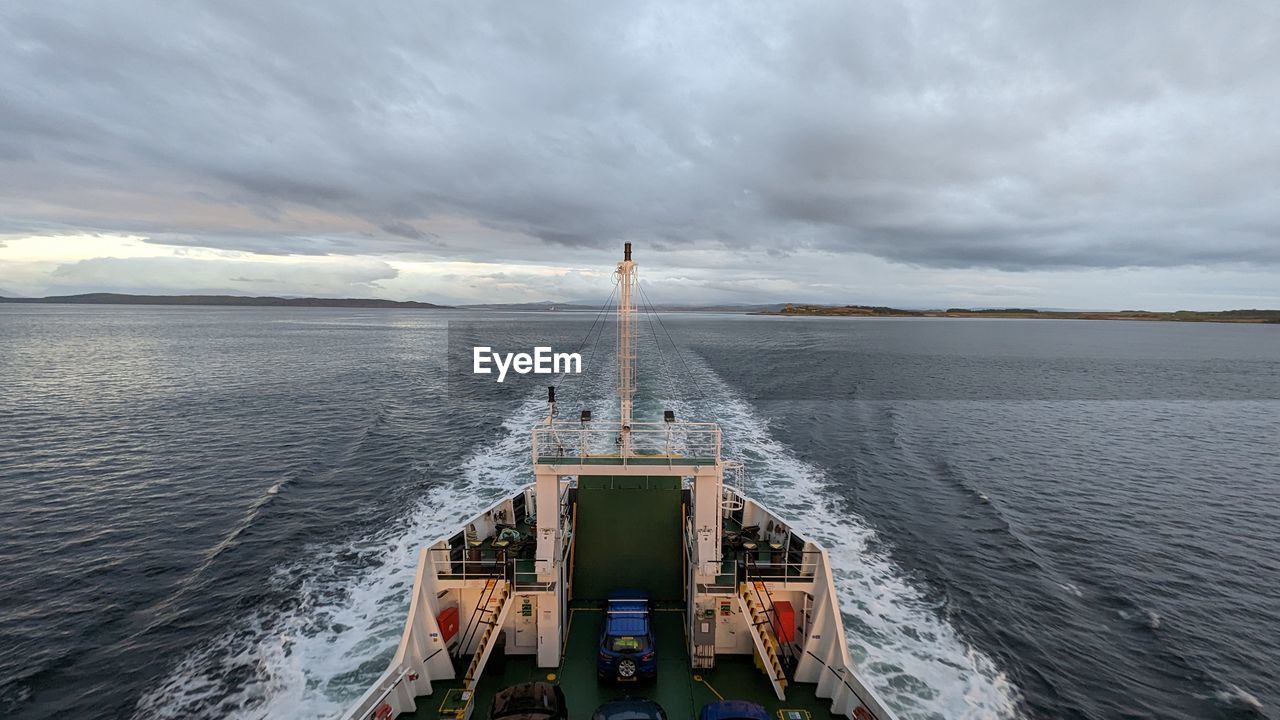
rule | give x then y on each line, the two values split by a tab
491	615
763	636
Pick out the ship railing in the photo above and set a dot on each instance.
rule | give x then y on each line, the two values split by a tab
463	563
524	572
779	564
733	484
778	552
725	582
515	562
737	567
603	443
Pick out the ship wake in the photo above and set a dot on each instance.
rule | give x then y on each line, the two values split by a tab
316	652
899	641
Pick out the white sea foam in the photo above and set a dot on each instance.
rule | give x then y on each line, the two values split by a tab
916	661
1235	695
318	656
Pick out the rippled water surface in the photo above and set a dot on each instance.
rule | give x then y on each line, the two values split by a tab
211	512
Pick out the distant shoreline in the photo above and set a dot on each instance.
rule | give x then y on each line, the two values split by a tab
1257	317
267	301
1223	316
224	301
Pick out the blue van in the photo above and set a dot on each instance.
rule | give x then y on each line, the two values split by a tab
628	649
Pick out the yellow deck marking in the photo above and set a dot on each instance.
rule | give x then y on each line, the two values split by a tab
699	678
568	627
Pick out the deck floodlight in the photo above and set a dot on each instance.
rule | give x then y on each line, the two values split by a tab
669	416
586	416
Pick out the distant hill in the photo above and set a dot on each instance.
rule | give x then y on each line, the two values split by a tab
547	306
7	293
1234	316
733	308
224	300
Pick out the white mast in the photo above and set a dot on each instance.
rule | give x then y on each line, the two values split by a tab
626	345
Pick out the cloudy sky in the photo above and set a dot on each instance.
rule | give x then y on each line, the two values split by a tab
1053	154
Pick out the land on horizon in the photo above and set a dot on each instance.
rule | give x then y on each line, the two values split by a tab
778	309
1231	316
268	301
224	300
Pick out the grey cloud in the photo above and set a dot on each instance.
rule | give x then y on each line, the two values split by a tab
162	275
1012	135
404	230
264	245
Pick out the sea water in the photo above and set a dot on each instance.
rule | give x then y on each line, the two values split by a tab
215	512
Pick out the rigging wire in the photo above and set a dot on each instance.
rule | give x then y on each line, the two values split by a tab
599	315
600	334
688	373
668	375
597	329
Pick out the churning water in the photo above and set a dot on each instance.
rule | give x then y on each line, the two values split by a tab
210	512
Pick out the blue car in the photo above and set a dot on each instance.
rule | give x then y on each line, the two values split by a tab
628	649
733	710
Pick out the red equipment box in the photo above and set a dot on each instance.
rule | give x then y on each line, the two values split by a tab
448	622
786	615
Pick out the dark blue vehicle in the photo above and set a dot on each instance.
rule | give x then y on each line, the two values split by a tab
733	710
529	701
628	650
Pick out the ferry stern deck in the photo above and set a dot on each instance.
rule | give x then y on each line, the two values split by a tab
681	690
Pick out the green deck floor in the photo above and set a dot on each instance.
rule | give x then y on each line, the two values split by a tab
734	677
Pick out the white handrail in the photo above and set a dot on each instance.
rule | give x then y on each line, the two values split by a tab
570	443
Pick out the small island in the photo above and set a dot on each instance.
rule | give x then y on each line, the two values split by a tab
1231	316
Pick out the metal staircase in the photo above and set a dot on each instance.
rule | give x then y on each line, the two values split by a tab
477	615
787	653
763	636
489	618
